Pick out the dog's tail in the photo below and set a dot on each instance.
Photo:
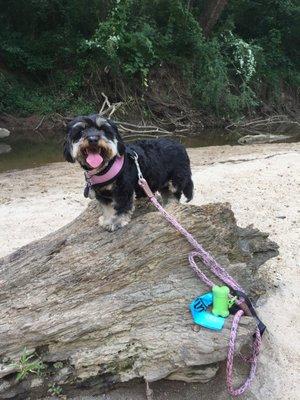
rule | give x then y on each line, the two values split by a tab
188	190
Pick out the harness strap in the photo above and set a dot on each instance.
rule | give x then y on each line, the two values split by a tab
261	326
108	176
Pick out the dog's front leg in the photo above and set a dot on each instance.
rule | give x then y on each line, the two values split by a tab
117	213
108	212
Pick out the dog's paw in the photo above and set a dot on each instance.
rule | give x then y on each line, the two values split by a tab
115	223
112	227
92	194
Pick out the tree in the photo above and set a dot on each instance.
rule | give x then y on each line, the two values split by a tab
211	13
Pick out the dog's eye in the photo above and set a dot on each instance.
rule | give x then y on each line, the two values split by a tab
108	133
76	134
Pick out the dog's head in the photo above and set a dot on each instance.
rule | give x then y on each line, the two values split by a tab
92	141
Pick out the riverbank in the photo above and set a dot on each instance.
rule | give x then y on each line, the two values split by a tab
262	184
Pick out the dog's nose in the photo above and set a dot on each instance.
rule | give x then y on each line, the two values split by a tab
93	139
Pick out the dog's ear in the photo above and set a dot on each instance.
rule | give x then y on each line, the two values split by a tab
120	145
76	121
89	121
95	120
67	153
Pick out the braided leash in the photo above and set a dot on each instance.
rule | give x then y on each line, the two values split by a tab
217	270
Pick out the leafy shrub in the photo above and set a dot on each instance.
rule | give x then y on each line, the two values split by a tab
53	48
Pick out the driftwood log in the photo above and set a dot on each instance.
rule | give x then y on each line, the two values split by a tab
100	308
4	133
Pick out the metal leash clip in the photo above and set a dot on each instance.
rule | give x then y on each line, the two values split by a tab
142	181
88	185
136	158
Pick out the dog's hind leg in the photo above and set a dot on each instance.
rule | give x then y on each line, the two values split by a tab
169	193
182	183
188	190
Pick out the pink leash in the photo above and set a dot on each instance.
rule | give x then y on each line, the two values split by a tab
217	270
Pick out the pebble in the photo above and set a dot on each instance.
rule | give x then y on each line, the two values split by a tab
195	328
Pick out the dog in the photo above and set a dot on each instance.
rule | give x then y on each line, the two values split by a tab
111	173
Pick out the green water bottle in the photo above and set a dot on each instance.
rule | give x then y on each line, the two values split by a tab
220	301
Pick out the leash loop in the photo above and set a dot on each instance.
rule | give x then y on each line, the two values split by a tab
246	307
256	345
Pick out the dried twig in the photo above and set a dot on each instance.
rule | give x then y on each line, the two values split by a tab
40	123
108	109
136	126
104	104
111	108
143	129
253	126
137	136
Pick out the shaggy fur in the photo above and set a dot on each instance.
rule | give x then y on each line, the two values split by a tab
164	164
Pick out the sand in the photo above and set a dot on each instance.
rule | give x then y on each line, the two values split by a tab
262	183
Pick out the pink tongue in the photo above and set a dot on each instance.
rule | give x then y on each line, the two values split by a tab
94	160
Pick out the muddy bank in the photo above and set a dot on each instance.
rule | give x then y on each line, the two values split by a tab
56	123
48	124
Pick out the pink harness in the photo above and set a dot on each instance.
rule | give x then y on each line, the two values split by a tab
113	171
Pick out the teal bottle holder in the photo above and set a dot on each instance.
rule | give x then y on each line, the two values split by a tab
202	317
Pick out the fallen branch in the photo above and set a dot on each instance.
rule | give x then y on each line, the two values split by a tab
255	124
110	108
40	123
137	126
104	104
137	136
122	128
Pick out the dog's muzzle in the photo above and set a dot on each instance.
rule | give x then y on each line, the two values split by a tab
93	156
94	159
93	140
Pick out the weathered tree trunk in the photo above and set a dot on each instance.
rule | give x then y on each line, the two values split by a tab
211	13
101	308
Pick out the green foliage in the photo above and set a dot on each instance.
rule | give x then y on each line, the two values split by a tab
273	26
58	365
28	363
50	51
40	35
25	98
54	389
138	36
127	46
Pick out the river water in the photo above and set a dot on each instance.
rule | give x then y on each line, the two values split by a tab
31	149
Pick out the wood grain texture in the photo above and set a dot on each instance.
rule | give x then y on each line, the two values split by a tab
112	307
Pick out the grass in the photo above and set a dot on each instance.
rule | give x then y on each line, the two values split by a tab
29	363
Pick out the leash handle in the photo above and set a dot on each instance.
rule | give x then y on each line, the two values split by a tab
230	355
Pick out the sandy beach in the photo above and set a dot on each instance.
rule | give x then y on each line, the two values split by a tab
262	183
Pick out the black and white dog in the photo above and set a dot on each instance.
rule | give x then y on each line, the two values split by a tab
111	173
